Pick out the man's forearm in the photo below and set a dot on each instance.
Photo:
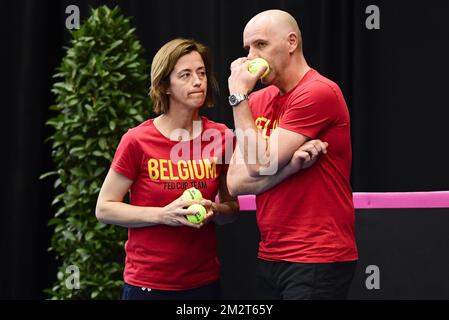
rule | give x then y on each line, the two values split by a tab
240	182
250	139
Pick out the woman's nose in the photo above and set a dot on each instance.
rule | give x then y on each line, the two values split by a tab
196	80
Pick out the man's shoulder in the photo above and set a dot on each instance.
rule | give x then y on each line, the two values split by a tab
317	88
319	84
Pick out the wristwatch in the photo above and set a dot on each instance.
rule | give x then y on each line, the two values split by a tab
236	98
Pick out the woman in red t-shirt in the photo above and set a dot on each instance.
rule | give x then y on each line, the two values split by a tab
167	256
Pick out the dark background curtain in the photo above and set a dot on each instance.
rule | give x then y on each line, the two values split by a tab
394	80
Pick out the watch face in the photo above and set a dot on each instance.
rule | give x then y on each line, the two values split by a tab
235	99
232	100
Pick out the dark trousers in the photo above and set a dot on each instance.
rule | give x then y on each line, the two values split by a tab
304	281
208	292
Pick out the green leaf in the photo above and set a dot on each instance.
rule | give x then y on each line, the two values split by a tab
68	235
57	183
48	174
89	108
89	235
98	171
89	142
112	125
79	172
56	200
64	86
113	112
138	118
133	65
115	44
60	211
57	144
77	137
102	143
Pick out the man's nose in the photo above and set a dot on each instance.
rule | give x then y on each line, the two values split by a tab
252	54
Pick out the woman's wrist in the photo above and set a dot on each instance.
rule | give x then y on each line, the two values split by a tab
154	215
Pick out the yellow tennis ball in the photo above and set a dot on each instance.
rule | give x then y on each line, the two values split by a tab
199	216
192	194
257	63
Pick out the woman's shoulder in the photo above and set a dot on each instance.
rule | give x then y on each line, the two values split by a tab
141	127
139	131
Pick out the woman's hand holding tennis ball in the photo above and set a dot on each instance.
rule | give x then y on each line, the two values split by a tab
173	214
204	211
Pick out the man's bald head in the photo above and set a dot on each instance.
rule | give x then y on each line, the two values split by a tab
278	22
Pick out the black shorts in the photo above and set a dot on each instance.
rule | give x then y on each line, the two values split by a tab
300	281
208	292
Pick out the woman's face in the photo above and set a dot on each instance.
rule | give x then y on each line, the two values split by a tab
188	82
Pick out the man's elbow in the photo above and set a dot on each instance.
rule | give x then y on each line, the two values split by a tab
232	185
232	189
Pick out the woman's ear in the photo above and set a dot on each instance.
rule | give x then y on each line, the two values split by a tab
166	88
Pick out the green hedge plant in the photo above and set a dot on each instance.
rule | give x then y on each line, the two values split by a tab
100	93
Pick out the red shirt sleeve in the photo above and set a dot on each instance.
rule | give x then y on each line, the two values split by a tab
310	111
127	157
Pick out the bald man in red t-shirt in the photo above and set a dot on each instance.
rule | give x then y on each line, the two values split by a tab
305	215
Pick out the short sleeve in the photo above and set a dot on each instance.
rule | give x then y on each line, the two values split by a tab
127	157
311	111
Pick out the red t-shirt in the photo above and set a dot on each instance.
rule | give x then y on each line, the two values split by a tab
163	257
308	217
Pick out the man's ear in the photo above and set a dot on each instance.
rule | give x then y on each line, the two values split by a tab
292	39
